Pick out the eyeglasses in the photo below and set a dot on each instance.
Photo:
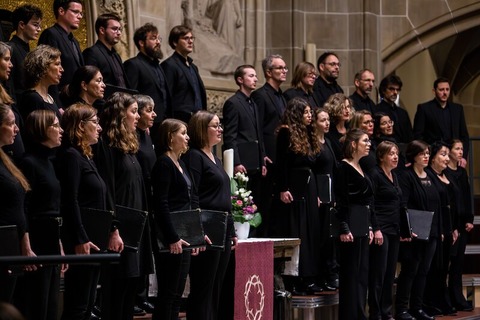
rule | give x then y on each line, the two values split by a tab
394	89
389	122
155	38
188	39
95	121
368	122
368	80
217	127
116	29
282	68
36	25
367	141
333	64
78	13
312	75
55	125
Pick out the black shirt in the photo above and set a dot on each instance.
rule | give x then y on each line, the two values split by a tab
402	127
13	199
361	103
19	51
322	90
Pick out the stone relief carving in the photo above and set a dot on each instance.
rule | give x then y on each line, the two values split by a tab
219	30
216	99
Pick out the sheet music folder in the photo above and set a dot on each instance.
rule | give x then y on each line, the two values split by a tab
358	221
97	224
132	222
421	223
188	225
214	225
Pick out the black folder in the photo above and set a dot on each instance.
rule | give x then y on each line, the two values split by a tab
188	225
324	187
421	223
298	181
214	225
111	89
358	221
9	242
44	234
132	222
97	224
249	155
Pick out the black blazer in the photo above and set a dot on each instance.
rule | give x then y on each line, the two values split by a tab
241	126
57	37
98	55
181	87
427	125
143	78
270	116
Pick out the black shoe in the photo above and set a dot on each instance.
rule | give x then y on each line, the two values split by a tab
93	316
421	315
432	311
332	283
297	292
404	316
451	311
465	307
138	311
96	311
312	288
147	306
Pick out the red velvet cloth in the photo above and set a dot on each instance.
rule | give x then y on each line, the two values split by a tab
254	281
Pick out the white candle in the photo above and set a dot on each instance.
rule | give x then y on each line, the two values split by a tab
228	162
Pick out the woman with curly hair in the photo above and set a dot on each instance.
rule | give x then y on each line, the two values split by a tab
296	195
82	187
117	164
43	69
303	79
340	109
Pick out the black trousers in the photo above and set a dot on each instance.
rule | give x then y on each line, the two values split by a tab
7	285
416	259
383	264
37	293
80	291
456	269
207	272
328	251
353	278
172	270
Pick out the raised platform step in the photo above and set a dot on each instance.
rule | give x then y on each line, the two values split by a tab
315	301
464	315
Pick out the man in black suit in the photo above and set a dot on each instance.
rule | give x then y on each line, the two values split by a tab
146	75
389	89
270	106
185	84
68	14
27	22
103	54
326	84
364	84
440	119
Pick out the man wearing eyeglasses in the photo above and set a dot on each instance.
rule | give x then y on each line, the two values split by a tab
326	84
68	14
103	55
186	85
364	85
390	88
27	21
146	75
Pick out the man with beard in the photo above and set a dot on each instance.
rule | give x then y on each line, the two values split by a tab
390	88
364	83
146	75
326	83
103	54
68	14
441	120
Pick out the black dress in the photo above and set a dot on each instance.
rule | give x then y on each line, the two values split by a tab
207	270
298	219
82	187
32	100
383	259
11	213
38	290
352	189
417	255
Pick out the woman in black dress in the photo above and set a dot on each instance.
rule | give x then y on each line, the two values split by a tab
212	185
384	252
418	192
325	165
303	79
363	119
340	108
463	204
87	86
39	297
43	69
82	187
354	196
296	193
172	191
13	187
118	166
